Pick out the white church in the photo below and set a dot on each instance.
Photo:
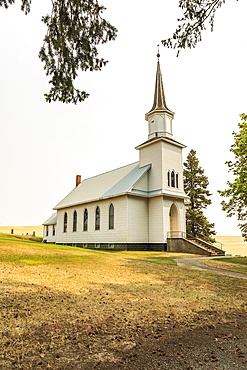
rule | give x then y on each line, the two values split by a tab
140	206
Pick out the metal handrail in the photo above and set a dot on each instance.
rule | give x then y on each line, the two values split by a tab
176	234
216	242
184	235
221	244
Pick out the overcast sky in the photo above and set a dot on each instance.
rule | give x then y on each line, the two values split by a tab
44	146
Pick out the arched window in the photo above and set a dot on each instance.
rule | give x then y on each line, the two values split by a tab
176	180
97	218
85	220
65	222
75	221
172	179
111	217
168	179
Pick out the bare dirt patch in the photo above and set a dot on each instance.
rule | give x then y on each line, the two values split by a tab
119	310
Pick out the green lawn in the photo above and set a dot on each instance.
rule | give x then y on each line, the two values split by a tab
238	264
238	260
55	297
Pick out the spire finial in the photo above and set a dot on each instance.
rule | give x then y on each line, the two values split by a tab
158	54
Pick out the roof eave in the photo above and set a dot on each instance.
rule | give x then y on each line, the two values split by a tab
159	111
160	138
89	201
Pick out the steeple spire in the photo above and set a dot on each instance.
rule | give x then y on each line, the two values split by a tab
159	117
159	95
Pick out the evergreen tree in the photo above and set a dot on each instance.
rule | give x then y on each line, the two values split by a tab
195	186
237	189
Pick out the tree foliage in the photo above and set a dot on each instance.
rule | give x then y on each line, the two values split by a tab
196	15
237	189
195	186
25	4
75	29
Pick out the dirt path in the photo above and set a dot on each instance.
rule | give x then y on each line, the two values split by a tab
197	264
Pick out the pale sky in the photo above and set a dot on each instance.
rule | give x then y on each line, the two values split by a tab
44	146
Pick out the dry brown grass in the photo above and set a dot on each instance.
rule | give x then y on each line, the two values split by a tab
225	265
135	274
233	245
23	230
62	306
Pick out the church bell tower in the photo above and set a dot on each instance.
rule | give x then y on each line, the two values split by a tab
159	117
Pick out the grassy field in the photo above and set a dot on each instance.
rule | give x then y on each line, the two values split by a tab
233	245
238	264
23	230
70	308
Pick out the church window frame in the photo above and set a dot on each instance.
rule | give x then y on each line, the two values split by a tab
85	220
53	230
75	221
173	179
168	178
65	222
177	180
97	218
111	216
47	230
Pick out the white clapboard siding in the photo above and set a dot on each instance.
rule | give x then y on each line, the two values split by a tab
142	184
50	238
164	156
153	154
104	235
172	161
137	220
156	220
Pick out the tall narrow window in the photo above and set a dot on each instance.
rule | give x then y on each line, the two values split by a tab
97	218
53	230
47	231
65	222
168	178
111	217
172	179
75	221
85	220
176	180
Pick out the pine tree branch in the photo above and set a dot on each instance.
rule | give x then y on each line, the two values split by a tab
75	29
196	13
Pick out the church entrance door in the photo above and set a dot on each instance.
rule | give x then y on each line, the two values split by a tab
174	221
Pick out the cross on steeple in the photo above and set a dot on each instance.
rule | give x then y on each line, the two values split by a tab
158	54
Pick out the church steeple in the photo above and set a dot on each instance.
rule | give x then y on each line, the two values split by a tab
159	117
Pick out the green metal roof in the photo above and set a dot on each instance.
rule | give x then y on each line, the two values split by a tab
51	220
109	184
126	183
